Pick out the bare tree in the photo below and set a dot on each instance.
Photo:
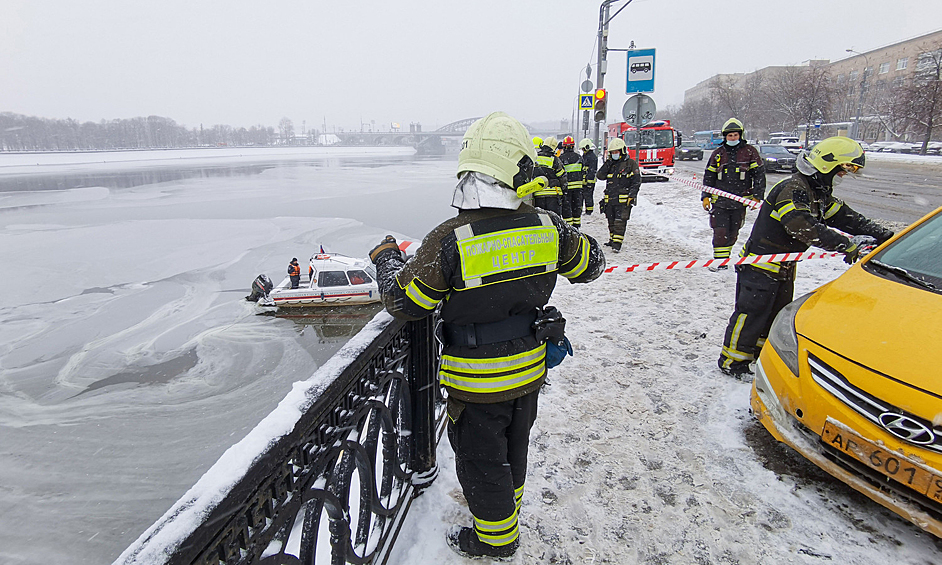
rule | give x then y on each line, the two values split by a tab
800	95
919	102
286	130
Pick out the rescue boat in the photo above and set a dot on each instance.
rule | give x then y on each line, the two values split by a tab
333	279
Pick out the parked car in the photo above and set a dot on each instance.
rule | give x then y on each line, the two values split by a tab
864	145
777	158
689	150
849	376
934	148
897	147
790	143
878	145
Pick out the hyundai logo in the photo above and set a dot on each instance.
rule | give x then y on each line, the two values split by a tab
907	428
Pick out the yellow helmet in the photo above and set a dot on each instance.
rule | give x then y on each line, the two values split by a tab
537	141
499	146
551	142
586	144
831	153
732	125
616	144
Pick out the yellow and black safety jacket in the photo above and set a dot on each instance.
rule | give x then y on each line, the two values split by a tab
548	165
622	180
590	164
573	166
799	213
489	269
738	170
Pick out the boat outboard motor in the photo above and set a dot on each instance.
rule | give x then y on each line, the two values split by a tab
261	286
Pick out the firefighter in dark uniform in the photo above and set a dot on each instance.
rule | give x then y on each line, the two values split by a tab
548	165
798	212
294	271
735	167
590	164
572	195
622	180
489	269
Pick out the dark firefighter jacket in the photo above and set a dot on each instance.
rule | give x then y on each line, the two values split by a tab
572	164
487	266
590	164
622	179
739	170
548	165
796	215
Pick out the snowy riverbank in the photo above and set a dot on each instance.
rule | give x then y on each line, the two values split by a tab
644	452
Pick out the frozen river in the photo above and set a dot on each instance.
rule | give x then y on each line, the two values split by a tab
128	360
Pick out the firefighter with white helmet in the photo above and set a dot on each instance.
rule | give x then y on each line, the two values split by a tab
590	164
491	270
735	167
799	211
622	181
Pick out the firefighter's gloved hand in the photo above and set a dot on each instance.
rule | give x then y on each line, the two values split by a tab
851	253
884	236
706	203
385	247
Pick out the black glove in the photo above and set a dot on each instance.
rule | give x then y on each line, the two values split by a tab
388	245
851	253
884	236
550	325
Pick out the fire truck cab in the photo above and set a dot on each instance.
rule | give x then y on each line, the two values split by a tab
657	142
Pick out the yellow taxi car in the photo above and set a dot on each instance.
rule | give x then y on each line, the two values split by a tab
851	378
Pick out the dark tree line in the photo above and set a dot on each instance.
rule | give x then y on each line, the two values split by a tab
28	133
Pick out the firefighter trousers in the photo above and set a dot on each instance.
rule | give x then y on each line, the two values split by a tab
549	203
588	194
572	206
295	281
759	298
726	224
490	443
617	215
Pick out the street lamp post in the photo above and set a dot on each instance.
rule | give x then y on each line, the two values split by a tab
863	85
601	65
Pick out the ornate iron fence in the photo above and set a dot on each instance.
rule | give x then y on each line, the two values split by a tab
337	487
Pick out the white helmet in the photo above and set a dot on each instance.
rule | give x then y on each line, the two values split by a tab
586	144
497	145
551	142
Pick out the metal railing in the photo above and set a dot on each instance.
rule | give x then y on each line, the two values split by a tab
337	487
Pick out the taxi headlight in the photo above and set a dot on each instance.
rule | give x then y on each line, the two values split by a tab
783	337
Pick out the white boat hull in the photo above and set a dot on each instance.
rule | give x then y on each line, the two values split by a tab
284	295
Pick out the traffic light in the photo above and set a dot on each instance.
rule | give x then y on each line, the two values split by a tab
601	99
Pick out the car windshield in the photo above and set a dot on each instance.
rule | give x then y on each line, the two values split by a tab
917	255
773	149
690	144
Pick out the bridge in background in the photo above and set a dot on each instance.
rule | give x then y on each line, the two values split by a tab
425	142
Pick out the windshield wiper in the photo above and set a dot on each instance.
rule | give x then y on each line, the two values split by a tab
902	273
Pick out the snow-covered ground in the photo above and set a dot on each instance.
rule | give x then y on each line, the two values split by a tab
644	452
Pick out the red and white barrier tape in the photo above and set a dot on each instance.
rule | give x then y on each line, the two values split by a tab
695	263
754	204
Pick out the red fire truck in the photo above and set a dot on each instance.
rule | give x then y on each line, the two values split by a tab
658	140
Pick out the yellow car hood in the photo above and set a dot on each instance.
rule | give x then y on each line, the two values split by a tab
885	325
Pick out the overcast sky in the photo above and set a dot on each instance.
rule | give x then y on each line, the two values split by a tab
242	63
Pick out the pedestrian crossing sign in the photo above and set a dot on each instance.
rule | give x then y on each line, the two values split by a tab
586	101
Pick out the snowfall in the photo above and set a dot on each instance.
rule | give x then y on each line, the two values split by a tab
643	451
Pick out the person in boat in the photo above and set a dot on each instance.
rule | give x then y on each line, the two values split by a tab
294	271
496	263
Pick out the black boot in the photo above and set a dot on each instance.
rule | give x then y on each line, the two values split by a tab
465	543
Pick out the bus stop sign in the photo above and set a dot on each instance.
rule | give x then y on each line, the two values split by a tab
640	71
639	110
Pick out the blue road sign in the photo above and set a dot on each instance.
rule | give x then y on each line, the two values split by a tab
586	101
640	71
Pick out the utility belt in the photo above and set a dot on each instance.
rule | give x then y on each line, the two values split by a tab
475	335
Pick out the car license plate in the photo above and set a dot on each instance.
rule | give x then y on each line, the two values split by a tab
893	465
